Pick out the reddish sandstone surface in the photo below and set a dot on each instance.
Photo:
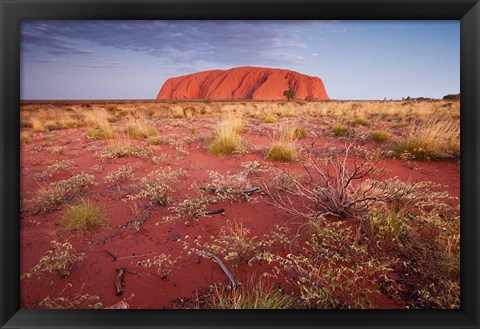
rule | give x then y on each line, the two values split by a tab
247	82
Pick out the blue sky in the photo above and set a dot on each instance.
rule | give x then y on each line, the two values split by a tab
132	59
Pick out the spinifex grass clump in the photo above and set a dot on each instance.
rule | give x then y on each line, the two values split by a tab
100	127
140	129
361	122
226	137
433	139
379	136
340	130
300	132
284	147
84	215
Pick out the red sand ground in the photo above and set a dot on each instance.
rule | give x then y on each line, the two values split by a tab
96	274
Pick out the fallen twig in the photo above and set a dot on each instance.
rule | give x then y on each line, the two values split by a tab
222	190
227	272
136	256
212	212
120	281
110	254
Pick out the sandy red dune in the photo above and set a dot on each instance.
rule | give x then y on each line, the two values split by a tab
247	82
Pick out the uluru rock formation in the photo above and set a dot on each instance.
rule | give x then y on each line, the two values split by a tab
247	82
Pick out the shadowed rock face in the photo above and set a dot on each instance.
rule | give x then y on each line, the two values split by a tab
254	83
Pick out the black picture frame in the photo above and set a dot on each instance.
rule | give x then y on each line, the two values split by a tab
14	11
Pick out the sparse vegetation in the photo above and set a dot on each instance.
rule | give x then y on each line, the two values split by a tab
50	197
234	243
190	209
61	258
120	150
122	174
157	187
256	294
327	222
162	263
78	301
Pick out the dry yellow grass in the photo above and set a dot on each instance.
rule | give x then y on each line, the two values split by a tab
100	127
140	128
226	137
84	215
284	146
432	139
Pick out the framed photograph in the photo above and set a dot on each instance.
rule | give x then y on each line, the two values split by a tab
239	164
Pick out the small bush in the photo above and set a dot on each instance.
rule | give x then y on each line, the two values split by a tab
379	136
84	215
234	242
190	210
